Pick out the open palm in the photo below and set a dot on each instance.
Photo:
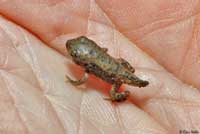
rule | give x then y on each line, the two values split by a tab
159	38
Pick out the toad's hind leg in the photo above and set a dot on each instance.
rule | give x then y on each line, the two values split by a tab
126	64
115	95
78	82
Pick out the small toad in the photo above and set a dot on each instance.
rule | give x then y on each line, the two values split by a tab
95	60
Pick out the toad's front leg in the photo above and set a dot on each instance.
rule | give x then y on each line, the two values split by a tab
78	82
116	95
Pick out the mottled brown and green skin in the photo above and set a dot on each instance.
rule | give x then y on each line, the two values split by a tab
95	60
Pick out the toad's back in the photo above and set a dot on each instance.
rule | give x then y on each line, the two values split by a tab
94	59
103	66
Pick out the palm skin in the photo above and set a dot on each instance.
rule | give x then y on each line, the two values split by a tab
36	99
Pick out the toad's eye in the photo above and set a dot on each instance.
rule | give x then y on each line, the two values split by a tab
82	39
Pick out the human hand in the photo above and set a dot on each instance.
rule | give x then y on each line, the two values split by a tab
35	97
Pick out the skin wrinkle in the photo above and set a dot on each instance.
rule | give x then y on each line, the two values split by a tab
169	101
75	14
153	131
18	24
63	33
52	3
138	123
158	120
72	13
168	120
165	26
5	62
55	113
188	49
113	25
120	122
117	50
147	25
199	53
14	69
166	117
95	126
182	100
161	87
88	16
195	127
98	22
117	115
154	98
27	40
147	129
177	102
6	31
183	19
189	118
18	53
81	101
161	101
14	105
80	118
42	91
